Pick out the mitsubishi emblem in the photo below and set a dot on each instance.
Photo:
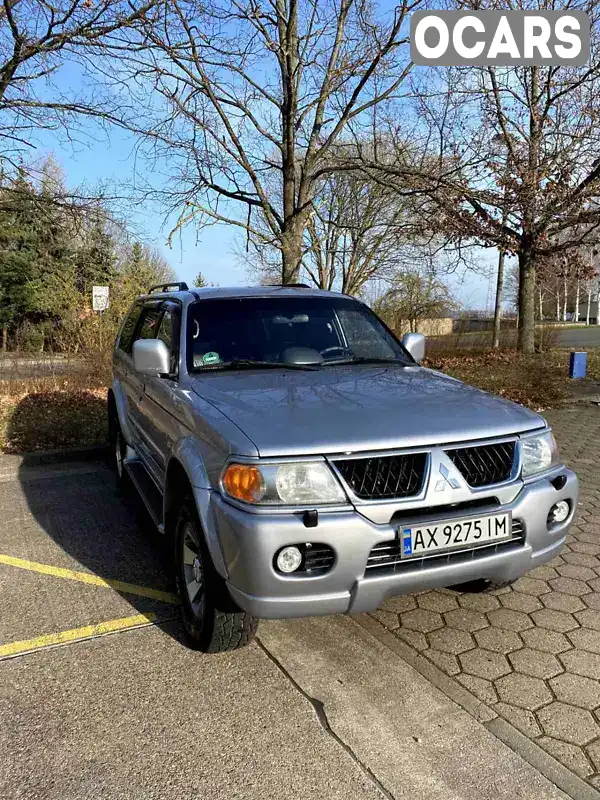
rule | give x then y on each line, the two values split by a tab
446	480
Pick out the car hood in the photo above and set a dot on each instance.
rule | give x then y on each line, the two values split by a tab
354	408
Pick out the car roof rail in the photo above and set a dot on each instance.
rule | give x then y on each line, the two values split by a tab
290	285
178	286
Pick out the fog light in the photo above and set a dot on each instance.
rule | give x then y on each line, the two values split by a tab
560	511
289	559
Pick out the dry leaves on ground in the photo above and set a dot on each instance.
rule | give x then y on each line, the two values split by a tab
539	381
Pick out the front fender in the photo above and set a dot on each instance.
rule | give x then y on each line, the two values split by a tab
121	405
187	453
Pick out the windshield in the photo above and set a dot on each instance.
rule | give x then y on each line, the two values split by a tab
275	329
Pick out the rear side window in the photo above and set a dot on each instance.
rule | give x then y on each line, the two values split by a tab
128	329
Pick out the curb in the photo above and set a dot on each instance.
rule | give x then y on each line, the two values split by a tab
44	457
571	784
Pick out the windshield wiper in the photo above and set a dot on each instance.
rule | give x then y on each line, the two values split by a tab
248	363
368	360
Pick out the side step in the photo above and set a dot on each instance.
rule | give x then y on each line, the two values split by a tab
148	491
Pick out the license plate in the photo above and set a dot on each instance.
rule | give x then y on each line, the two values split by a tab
472	532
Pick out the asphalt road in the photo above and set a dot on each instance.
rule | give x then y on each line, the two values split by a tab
587	336
317	708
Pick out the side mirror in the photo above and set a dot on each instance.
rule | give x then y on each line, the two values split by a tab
415	344
151	357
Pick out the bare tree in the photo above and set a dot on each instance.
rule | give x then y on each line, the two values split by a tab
250	97
413	297
540	201
561	277
359	230
37	38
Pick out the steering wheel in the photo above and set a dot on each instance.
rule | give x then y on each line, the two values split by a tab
342	350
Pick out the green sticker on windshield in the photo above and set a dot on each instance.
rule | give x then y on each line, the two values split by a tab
211	358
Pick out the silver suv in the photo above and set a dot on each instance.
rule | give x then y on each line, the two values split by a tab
301	462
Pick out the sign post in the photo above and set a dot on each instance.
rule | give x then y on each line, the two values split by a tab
100	300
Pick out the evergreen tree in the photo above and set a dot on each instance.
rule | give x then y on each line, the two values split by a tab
56	247
19	249
52	253
96	258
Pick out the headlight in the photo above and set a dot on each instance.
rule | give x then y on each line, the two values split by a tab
291	484
538	453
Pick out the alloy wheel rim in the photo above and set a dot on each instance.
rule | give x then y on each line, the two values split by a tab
193	570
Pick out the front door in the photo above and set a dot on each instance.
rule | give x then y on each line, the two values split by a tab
161	401
146	329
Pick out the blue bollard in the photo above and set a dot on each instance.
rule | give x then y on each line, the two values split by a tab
577	365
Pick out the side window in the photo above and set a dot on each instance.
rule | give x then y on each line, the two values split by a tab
128	329
149	324
167	332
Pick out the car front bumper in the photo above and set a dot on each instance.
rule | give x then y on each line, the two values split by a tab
249	542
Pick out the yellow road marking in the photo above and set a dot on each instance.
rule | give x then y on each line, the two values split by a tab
94	580
76	634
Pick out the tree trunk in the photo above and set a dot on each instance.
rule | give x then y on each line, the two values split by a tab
526	302
498	306
4	338
541	294
291	238
589	303
557	304
565	298
577	298
291	256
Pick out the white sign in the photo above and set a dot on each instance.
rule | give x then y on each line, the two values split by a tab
99	298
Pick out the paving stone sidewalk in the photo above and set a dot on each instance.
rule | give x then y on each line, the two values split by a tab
531	652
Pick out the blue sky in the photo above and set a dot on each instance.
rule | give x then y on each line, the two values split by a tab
109	158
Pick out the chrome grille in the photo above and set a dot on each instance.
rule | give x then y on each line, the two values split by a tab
484	465
385	557
383	477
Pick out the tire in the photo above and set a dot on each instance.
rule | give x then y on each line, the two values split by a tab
118	447
212	621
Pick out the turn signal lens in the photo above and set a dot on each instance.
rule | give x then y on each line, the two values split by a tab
244	482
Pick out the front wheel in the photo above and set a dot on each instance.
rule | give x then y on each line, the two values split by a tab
211	619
